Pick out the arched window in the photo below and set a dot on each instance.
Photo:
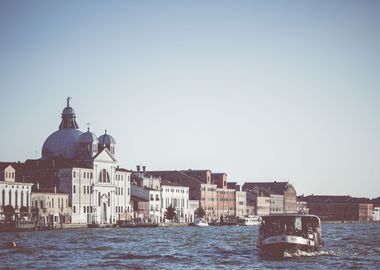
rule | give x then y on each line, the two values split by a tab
104	176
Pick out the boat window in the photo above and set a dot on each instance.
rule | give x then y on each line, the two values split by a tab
298	224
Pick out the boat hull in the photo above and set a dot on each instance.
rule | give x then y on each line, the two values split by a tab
277	245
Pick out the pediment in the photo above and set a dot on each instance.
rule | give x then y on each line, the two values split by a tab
105	156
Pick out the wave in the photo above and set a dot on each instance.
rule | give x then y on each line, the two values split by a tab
300	253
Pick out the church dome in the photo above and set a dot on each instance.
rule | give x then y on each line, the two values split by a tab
88	137
63	143
106	139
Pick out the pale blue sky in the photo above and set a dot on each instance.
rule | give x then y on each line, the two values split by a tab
262	90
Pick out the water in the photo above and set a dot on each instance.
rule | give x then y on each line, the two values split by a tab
354	246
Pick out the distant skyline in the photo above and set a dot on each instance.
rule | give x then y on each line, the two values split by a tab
261	90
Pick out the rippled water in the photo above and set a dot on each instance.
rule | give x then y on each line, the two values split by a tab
346	246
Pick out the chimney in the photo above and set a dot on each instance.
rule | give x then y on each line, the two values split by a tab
38	186
53	161
55	189
143	167
138	168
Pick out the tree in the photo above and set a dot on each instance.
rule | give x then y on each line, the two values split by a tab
170	213
200	212
8	211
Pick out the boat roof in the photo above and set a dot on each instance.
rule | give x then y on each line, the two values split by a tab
290	215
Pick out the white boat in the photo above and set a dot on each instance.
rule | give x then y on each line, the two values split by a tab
289	232
248	221
201	223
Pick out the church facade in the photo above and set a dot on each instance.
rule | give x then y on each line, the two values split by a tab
84	166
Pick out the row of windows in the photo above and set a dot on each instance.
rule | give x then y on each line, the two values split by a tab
119	191
50	204
86	175
152	197
208	199
10	175
16	187
16	198
208	189
177	190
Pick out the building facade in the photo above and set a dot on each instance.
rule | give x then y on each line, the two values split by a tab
13	193
175	196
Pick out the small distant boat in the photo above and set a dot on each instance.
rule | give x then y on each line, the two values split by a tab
201	223
289	232
249	221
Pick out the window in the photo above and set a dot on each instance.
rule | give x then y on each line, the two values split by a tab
74	208
16	199
3	197
88	189
84	209
22	198
41	204
10	198
104	176
73	188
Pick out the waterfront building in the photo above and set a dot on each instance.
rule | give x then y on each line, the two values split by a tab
140	209
376	214
302	205
83	166
193	207
225	197
259	200
153	197
240	199
52	206
340	208
200	188
281	188
13	191
176	196
276	203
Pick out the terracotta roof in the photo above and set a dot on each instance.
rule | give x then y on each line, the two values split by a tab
271	187
335	199
165	182
54	163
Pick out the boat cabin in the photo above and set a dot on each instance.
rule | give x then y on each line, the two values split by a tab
289	224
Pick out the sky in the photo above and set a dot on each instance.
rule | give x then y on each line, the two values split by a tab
261	90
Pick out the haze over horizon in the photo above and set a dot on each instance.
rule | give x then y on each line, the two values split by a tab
264	91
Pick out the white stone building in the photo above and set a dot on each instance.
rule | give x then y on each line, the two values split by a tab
14	193
176	196
276	203
241	203
52	204
376	214
193	207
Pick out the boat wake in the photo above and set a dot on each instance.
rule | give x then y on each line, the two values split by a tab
300	253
